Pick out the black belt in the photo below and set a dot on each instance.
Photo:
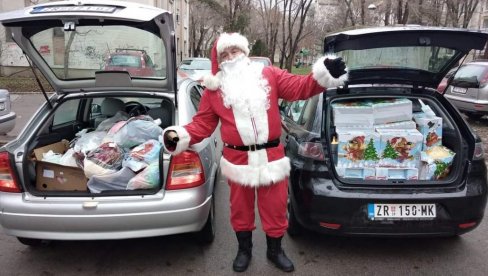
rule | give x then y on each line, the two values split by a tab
270	144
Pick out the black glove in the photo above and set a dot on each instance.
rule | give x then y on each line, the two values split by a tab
336	67
171	139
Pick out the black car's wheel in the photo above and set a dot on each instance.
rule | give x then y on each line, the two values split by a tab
33	242
294	227
474	116
207	234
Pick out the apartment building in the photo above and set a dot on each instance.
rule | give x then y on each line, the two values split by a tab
12	60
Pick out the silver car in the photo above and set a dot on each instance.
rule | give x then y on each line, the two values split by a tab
43	199
195	68
468	88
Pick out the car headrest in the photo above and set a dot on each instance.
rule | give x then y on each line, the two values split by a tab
110	106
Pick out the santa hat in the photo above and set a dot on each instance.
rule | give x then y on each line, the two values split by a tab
224	41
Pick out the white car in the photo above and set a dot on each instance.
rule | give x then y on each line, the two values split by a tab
7	116
45	199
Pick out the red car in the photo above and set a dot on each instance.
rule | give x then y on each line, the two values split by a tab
136	62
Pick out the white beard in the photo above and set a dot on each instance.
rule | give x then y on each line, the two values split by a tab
243	86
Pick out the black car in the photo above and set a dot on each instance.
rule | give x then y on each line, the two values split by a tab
387	155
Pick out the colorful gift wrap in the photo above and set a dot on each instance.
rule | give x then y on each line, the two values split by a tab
397	173
431	129
392	110
398	125
436	163
400	148
357	149
353	114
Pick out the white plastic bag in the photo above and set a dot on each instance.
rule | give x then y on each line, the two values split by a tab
147	179
142	155
136	131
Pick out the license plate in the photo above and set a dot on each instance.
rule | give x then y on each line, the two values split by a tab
381	211
460	90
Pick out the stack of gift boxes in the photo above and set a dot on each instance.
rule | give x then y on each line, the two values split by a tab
383	139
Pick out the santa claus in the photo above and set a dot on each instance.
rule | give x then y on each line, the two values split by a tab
243	96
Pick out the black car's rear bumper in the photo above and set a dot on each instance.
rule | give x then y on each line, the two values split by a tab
320	206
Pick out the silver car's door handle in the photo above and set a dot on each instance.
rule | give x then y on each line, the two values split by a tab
90	204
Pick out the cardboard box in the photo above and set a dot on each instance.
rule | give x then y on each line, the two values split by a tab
397	173
357	149
436	163
52	177
431	129
392	111
361	173
398	125
400	148
353	114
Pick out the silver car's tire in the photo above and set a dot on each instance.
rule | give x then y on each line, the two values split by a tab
32	242
207	234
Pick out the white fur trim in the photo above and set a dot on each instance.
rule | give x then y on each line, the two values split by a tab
322	75
212	82
232	39
182	144
253	176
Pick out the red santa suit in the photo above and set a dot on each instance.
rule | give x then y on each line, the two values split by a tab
249	172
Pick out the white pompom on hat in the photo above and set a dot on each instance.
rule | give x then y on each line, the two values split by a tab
224	41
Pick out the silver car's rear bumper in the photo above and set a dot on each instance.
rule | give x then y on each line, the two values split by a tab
470	105
71	218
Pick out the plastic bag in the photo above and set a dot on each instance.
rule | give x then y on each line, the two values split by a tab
142	155
110	182
136	131
52	157
147	179
68	159
105	159
107	124
88	141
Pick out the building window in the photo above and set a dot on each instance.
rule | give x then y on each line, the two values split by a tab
485	23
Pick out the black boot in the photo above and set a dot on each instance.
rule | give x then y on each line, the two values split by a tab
244	254
276	254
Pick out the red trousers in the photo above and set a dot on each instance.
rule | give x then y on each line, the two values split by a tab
272	200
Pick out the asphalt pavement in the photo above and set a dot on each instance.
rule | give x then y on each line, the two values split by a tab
24	105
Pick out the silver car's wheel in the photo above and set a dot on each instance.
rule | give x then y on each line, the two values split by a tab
32	242
207	234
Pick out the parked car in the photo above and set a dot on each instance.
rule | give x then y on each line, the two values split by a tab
7	115
195	68
445	80
468	89
361	166
135	61
44	200
264	60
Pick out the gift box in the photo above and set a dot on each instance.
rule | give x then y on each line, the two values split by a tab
436	163
400	148
358	172
357	149
353	114
397	173
398	125
431	129
392	110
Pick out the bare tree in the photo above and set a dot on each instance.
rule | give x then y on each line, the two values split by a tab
204	22
269	14
402	12
460	12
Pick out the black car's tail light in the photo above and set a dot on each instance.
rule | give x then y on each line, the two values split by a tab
7	179
311	150
185	171
479	153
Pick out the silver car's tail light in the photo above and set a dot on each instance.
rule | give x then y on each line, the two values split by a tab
479	152
185	171
7	179
311	150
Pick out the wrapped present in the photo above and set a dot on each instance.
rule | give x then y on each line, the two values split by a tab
400	148
436	163
431	129
397	173
353	114
357	149
392	110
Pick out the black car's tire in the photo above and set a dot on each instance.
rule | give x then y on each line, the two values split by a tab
207	234
32	242
474	116
294	227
